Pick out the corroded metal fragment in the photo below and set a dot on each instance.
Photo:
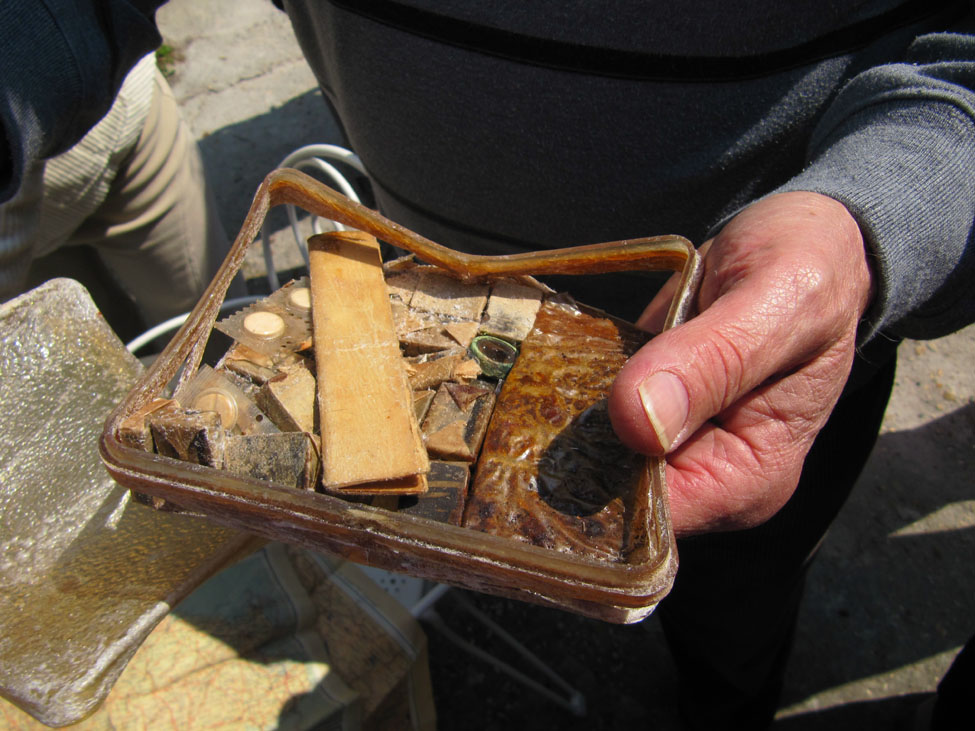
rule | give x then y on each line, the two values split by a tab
248	363
134	430
421	403
288	398
427	340
289	459
456	421
444	500
446	295
429	371
191	436
511	310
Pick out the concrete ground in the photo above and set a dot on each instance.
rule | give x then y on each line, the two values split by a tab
892	595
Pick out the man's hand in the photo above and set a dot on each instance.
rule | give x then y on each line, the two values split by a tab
736	395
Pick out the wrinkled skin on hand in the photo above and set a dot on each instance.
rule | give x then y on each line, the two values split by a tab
739	393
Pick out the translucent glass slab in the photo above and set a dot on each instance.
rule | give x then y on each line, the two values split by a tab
86	571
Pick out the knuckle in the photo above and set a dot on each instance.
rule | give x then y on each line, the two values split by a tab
722	362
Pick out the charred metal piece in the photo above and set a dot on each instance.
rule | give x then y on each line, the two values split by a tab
288	398
190	436
444	500
455	424
287	459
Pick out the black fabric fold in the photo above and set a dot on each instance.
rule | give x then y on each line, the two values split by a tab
647	66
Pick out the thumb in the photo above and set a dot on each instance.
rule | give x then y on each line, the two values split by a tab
787	280
693	372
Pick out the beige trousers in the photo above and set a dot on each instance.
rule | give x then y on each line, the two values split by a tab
133	191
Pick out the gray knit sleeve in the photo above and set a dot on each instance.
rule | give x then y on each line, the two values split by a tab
897	147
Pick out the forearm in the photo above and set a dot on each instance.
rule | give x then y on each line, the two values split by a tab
897	148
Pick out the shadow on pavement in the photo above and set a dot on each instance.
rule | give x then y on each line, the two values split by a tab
896	714
891	588
238	156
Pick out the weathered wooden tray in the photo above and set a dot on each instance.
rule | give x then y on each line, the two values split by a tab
518	561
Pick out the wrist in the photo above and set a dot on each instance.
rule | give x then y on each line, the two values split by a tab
842	238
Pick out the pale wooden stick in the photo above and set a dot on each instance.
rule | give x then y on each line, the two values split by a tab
368	427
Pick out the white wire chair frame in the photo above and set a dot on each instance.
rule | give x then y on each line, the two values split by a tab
309	157
318	158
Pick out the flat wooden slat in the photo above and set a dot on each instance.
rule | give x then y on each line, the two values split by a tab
368	427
